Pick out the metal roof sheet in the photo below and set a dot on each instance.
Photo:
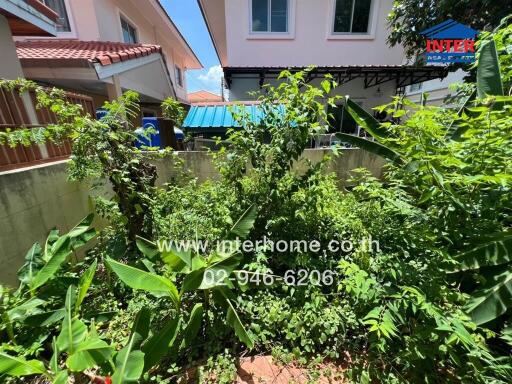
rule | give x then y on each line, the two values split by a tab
209	117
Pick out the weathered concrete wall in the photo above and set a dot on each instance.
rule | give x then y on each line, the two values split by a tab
35	200
200	165
32	202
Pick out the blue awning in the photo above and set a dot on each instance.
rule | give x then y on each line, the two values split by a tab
218	118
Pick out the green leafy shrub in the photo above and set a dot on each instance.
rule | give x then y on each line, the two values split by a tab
407	311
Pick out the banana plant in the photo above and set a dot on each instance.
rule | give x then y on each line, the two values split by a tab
78	350
77	345
488	84
492	255
492	258
212	274
42	265
143	350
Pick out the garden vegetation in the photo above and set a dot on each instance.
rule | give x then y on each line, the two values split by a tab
431	305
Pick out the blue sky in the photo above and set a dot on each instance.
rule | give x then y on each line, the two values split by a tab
187	17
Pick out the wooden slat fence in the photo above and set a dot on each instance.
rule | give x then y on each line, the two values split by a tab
13	114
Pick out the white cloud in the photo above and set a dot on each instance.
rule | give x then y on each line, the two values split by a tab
212	77
206	79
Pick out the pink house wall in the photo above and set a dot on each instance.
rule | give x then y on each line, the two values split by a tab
309	40
100	20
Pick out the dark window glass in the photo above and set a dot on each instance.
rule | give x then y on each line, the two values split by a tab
343	15
129	32
361	16
352	16
260	15
270	15
179	76
278	15
60	7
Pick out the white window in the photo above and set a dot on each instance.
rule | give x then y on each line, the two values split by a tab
179	75
129	32
352	16
59	7
269	16
415	87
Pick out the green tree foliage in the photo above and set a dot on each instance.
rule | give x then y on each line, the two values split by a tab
465	179
409	17
173	110
100	149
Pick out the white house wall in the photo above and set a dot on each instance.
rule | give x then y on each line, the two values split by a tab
369	97
147	80
437	89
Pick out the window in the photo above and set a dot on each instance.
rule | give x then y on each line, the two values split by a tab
415	87
352	16
269	15
129	32
60	7
179	75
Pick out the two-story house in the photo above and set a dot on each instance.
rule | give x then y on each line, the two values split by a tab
256	39
104	47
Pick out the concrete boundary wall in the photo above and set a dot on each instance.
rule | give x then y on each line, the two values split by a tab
36	199
199	164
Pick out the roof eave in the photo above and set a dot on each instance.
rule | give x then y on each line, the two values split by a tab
372	74
24	11
203	13
192	54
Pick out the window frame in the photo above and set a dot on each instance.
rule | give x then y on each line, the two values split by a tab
148	112
372	22
290	24
127	20
71	34
179	80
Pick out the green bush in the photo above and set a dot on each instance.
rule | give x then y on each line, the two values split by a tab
408	310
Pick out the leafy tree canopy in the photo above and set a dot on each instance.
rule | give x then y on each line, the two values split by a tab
409	17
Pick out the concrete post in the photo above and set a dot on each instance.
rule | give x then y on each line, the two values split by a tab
114	90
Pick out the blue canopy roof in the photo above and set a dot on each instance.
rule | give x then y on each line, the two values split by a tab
215	118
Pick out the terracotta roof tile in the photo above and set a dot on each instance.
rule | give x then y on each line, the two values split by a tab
203	96
84	52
